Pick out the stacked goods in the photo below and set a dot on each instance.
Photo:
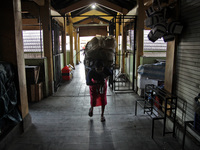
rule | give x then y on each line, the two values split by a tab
160	20
152	71
100	48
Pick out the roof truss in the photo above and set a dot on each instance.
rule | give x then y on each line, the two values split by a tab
84	3
90	14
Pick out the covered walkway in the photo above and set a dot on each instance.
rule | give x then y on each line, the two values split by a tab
61	122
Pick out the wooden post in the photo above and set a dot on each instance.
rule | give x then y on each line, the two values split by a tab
76	44
124	40
117	41
139	33
64	42
71	44
11	49
68	34
47	41
79	44
170	57
169	67
71	61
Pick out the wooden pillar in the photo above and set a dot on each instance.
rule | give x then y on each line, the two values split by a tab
169	67
68	34
71	61
107	30
47	42
64	42
71	44
117	40
76	44
79	45
11	49
170	56
139	33
124	40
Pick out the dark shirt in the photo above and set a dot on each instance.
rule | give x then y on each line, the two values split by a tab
99	77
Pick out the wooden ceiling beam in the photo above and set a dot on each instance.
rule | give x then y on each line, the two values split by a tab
30	7
104	3
79	19
92	20
88	20
112	6
39	2
75	6
91	13
30	21
148	2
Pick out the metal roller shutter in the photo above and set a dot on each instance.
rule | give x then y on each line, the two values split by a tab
187	77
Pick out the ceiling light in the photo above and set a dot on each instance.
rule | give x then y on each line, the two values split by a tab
93	6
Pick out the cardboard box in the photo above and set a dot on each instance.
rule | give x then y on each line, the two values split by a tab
36	92
32	74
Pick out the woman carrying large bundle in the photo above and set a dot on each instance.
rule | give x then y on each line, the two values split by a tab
97	80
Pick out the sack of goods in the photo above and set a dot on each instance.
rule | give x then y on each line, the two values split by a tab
175	27
100	48
151	36
168	37
153	20
150	11
157	32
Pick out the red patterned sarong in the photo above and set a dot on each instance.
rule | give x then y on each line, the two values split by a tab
97	99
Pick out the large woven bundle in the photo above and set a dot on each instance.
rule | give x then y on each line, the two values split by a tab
100	48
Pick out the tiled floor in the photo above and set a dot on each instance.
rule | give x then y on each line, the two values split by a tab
61	122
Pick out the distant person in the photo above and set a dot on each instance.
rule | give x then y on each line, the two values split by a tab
97	80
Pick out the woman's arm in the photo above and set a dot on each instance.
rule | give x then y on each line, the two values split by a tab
92	78
89	78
